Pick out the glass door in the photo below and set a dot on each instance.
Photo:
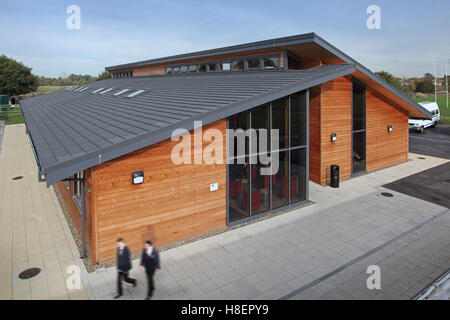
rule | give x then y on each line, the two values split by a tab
358	128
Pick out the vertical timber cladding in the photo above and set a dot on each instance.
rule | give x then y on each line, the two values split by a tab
336	117
173	203
385	148
330	112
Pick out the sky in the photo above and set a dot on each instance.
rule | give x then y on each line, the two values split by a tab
413	33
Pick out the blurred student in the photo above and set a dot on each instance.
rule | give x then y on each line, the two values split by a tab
123	266
150	262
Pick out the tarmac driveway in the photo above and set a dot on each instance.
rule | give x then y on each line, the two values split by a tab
432	185
433	142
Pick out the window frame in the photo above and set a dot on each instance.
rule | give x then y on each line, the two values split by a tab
78	190
232	160
219	64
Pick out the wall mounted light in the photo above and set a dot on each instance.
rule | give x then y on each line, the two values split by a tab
333	137
389	128
137	177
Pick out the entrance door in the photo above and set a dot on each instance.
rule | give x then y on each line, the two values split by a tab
358	128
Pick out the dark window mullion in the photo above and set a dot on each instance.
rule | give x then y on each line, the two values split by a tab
289	152
271	154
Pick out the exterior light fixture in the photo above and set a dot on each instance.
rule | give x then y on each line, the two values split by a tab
389	128
333	137
137	177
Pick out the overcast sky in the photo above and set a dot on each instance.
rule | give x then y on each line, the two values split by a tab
412	33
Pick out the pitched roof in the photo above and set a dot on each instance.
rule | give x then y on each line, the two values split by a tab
285	41
74	130
396	96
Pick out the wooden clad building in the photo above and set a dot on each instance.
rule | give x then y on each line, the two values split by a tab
92	141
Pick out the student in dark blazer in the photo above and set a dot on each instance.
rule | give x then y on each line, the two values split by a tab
123	266
150	262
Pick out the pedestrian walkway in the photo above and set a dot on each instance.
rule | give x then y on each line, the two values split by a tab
320	251
33	232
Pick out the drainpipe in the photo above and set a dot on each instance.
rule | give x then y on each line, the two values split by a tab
83	240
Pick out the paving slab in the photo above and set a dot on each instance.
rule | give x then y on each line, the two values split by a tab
320	251
34	232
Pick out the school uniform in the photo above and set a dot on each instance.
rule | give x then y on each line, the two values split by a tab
123	268
150	261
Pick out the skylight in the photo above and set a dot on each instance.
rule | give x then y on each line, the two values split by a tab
121	91
85	88
95	91
135	93
107	90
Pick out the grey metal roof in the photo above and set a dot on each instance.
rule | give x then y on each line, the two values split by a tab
74	130
274	43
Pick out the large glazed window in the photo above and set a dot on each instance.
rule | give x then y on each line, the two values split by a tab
240	124
359	107
238	191
358	128
280	181
280	121
298	120
268	176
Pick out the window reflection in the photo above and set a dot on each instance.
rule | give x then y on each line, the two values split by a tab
253	190
238	65
298	175
280	121
238	191
280	181
298	119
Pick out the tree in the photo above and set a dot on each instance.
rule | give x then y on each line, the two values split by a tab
15	78
389	78
104	75
425	85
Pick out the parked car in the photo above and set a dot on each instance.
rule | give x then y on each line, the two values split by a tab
419	125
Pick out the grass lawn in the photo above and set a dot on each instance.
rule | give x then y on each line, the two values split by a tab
442	102
12	116
44	90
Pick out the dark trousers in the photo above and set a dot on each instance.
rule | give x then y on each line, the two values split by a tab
151	286
125	277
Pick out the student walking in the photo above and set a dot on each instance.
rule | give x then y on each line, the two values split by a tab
123	266
150	262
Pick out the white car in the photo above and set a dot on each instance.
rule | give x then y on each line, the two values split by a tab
419	125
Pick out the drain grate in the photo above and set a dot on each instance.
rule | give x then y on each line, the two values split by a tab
18	178
422	158
387	194
29	273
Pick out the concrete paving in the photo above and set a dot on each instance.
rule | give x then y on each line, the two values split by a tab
320	251
33	232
